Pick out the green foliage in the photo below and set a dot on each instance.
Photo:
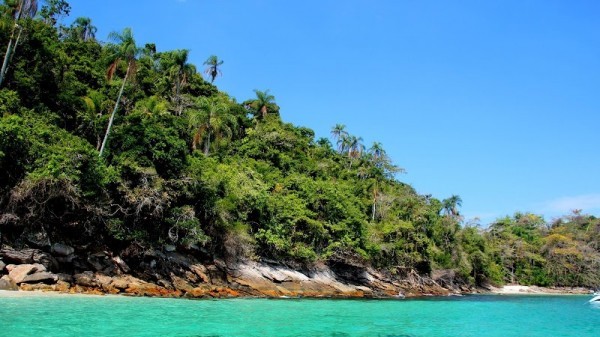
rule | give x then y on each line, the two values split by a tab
259	187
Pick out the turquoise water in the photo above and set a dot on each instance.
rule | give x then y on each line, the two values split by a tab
67	315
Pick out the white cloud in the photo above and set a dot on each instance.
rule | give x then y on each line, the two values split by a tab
585	202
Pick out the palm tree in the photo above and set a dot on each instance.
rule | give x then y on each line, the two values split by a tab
83	29
213	64
183	70
153	105
20	9
94	103
354	147
263	101
339	133
451	205
126	50
210	118
377	151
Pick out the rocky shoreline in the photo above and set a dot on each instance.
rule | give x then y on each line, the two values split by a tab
171	273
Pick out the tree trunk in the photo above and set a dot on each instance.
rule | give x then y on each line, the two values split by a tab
8	55
112	115
263	111
374	202
177	92
207	143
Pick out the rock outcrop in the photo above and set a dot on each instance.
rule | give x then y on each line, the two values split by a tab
30	273
171	273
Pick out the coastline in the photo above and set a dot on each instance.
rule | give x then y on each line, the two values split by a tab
182	275
515	289
510	290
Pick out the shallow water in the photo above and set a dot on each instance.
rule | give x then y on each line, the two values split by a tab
68	315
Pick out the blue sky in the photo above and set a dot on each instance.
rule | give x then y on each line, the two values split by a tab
496	101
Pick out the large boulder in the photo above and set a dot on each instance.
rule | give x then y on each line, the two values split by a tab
29	273
86	279
44	277
18	273
23	256
2	265
62	249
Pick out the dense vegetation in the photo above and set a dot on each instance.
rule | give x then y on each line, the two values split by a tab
115	143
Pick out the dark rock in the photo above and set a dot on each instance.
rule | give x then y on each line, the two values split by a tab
28	256
62	249
65	277
37	237
170	248
79	264
98	262
23	256
7	284
47	260
85	279
179	259
2	265
65	259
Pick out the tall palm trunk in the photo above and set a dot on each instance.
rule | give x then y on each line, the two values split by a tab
374	203
263	111
207	144
207	141
9	51
178	94
112	115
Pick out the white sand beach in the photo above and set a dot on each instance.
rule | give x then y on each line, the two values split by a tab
515	289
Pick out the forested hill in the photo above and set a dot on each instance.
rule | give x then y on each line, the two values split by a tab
115	144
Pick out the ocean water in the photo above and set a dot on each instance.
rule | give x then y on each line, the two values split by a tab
71	315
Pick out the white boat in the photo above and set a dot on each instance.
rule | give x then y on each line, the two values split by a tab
596	298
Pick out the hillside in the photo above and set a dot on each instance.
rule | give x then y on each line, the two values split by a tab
119	159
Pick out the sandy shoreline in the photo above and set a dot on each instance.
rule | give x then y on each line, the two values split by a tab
535	290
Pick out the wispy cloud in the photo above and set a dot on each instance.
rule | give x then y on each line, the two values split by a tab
586	202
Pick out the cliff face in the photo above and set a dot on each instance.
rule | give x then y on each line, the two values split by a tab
171	273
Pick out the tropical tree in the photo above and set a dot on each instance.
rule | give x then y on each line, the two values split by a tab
339	133
264	101
126	50
354	146
213	63
451	205
83	29
182	70
20	9
377	152
210	118
53	10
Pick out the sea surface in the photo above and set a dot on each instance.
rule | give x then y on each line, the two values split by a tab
55	315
